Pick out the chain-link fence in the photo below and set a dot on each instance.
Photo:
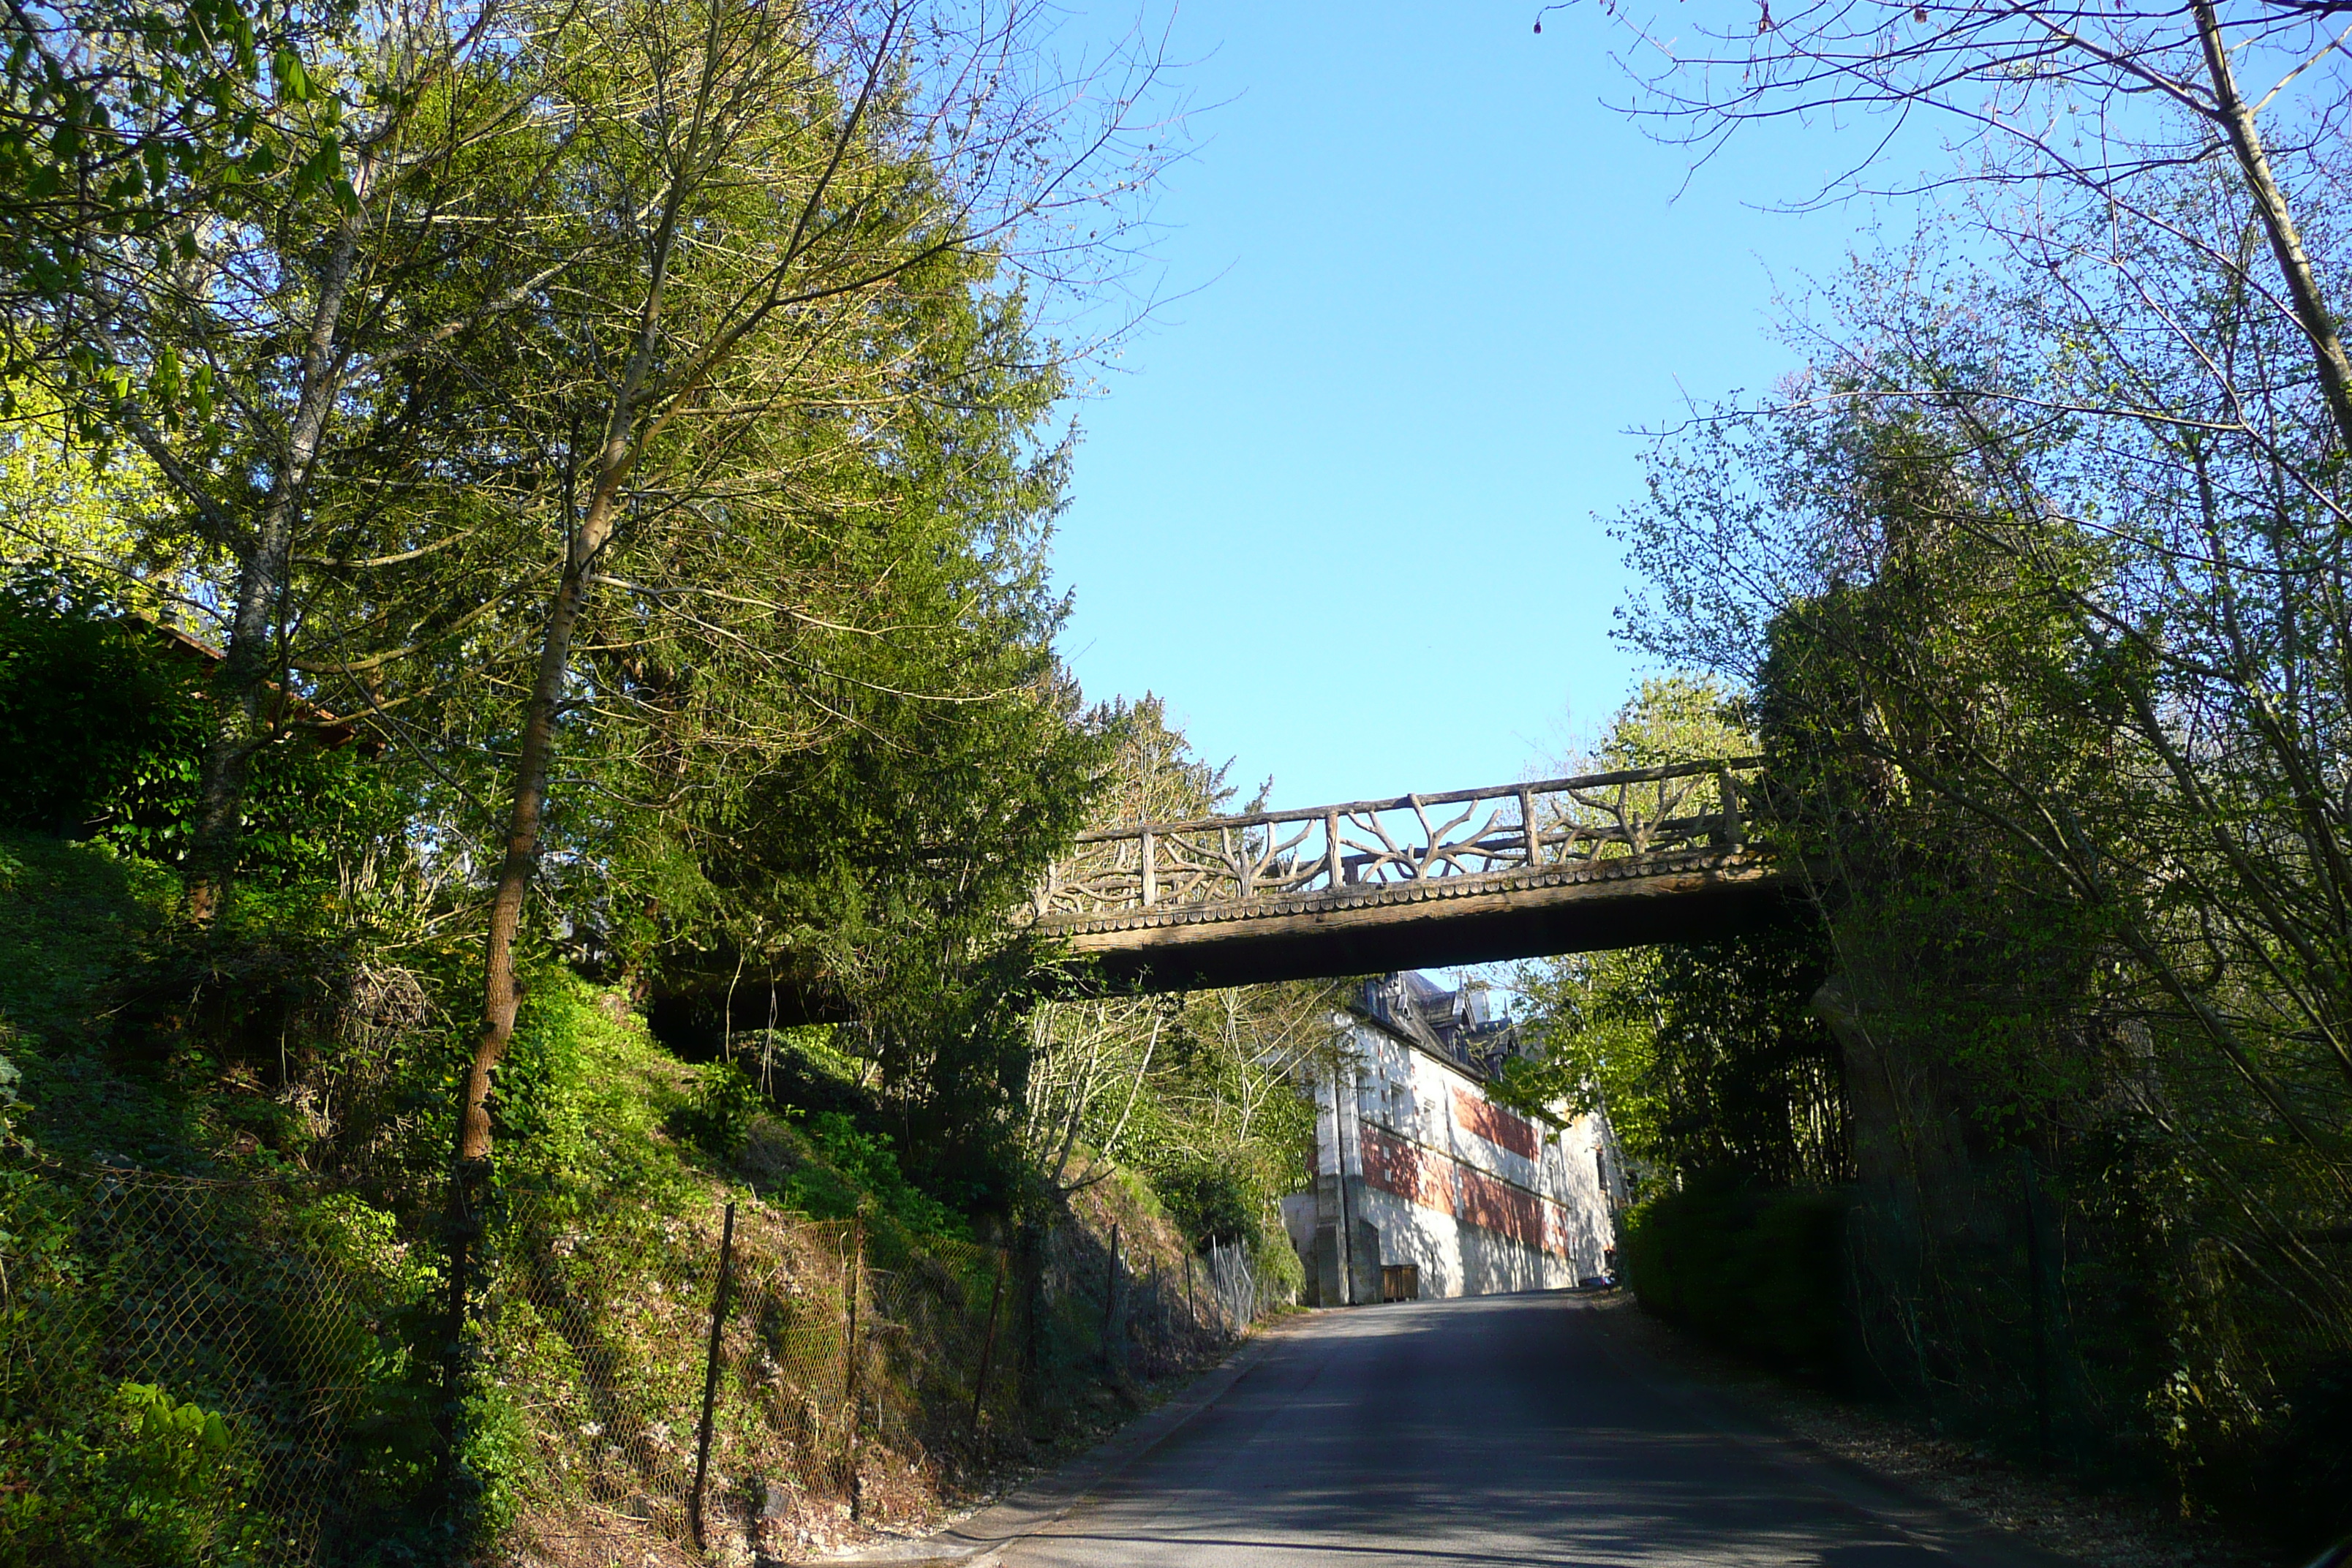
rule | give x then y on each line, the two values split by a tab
202	1372
212	1373
753	1381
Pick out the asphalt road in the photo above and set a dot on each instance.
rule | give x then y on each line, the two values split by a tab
1509	1429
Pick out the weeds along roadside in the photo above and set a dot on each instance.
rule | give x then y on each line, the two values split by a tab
216	1356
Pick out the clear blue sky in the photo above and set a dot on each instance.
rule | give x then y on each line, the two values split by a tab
1337	507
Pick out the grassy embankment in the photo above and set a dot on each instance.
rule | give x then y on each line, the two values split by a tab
222	1197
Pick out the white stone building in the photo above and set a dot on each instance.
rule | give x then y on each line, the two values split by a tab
1418	1173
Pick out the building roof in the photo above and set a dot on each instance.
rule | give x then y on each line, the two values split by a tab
1457	1026
331	730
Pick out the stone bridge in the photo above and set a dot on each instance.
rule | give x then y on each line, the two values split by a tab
1604	860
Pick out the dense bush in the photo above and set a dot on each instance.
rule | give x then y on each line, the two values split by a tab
204	1372
1753	1267
89	706
104	719
1211	1202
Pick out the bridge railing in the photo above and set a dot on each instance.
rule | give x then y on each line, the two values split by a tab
1499	830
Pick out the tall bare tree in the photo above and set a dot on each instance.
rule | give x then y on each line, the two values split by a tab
2065	103
238	334
771	188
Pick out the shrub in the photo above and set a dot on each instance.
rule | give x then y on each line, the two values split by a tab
105	721
142	1478
857	1161
86	702
1211	1201
719	1112
1754	1269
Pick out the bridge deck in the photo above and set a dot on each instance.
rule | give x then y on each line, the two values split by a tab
1430	924
1605	860
1570	864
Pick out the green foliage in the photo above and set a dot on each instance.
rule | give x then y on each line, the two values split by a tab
1758	1269
1705	1055
147	1481
1211	1201
854	1168
131	118
88	708
177	1467
255	1298
1674	719
852	820
589	1104
287	1288
73	919
109	719
804	1068
584	1097
249	1048
96	512
11	1075
719	1113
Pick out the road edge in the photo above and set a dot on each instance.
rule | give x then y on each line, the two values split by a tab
1922	1520
974	1542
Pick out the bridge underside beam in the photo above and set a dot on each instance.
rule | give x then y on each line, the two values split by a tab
1354	933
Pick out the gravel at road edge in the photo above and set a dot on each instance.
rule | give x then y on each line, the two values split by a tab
2104	1530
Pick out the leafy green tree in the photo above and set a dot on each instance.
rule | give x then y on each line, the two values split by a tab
720	387
876	870
102	512
2047	687
118	120
1704	1056
342	210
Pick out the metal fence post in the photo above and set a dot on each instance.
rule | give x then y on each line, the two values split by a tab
711	1372
849	1373
1110	1304
462	1224
987	1347
2033	1298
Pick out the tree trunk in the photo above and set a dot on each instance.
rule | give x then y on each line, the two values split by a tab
2287	245
616	459
500	997
241	685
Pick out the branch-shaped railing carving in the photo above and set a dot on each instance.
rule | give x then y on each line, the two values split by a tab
1418	837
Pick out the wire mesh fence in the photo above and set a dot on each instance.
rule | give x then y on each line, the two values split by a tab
200	1371
246	1373
775	1377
